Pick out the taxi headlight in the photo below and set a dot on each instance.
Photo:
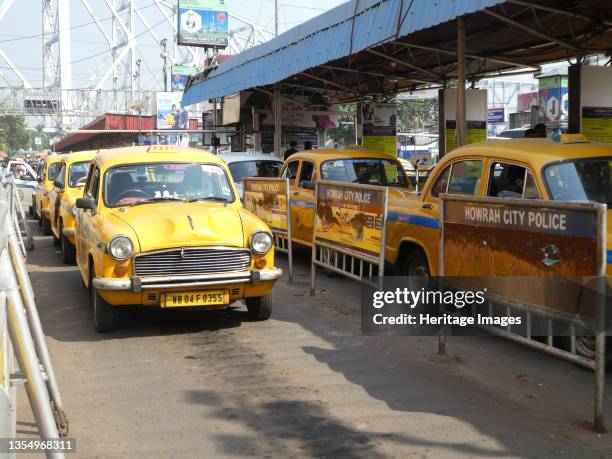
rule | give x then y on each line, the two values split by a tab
121	247
261	242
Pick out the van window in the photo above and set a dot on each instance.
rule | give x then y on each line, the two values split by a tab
511	181
441	183
290	171
306	173
465	177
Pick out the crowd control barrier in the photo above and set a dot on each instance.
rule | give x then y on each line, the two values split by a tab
25	356
268	198
551	241
349	231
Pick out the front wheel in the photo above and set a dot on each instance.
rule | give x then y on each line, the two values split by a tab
260	308
103	312
68	250
46	226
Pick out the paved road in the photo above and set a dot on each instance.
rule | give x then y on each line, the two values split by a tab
303	384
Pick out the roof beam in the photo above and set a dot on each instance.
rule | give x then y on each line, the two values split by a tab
449	52
404	63
375	74
323	80
550	9
530	30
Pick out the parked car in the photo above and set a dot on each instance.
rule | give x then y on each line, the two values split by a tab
351	166
251	164
25	181
67	187
46	176
163	227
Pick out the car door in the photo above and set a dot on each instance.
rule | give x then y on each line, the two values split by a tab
85	231
55	196
303	202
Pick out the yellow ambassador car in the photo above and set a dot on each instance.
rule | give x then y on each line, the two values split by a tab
67	187
46	176
351	165
163	226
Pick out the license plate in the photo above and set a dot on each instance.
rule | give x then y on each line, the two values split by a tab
202	298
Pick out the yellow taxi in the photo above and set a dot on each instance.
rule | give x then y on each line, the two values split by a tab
163	226
517	168
46	176
350	165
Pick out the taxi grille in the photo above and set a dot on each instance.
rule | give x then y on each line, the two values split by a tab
192	261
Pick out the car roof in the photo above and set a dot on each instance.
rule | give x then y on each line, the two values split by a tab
79	156
237	156
54	159
327	154
154	154
536	152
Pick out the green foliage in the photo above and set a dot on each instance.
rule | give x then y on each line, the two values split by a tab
344	134
13	133
416	114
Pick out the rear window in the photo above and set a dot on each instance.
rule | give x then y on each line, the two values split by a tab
255	168
366	171
587	179
53	171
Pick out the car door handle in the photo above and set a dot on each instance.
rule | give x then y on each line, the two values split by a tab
427	206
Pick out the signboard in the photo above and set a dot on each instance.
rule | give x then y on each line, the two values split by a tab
350	216
203	23
596	103
379	127
180	74
298	113
476	116
553	99
169	111
496	116
525	101
517	237
267	198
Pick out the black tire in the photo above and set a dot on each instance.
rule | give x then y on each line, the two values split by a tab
260	308
414	264
68	250
103	313
40	219
31	210
56	240
585	347
46	227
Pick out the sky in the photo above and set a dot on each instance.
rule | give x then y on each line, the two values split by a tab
21	40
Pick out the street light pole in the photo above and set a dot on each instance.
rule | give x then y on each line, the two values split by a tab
276	18
164	55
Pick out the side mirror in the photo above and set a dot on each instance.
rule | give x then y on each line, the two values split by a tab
58	184
308	185
86	203
39	179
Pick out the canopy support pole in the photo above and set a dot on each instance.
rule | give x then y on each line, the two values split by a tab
461	121
276	106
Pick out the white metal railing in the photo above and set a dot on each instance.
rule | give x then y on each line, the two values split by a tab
25	357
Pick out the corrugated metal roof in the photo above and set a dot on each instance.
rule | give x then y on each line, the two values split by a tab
344	30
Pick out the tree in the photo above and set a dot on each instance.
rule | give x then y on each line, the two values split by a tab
416	114
13	133
344	134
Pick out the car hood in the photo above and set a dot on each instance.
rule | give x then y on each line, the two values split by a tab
168	225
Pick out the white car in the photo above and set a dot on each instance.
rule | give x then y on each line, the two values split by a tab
251	164
25	179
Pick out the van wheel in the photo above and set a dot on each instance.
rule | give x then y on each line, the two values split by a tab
68	250
260	308
415	264
46	226
103	312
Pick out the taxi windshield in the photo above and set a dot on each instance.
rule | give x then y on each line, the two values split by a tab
367	171
53	171
137	184
77	174
255	168
586	179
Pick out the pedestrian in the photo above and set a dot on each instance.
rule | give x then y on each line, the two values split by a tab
540	130
291	150
308	145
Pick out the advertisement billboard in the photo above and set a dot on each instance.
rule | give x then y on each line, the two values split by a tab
525	100
180	74
203	23
379	127
553	100
267	198
169	112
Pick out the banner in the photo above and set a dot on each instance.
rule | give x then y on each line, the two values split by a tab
350	216
496	116
169	112
267	198
298	113
203	23
525	100
476	132
180	74
379	127
553	99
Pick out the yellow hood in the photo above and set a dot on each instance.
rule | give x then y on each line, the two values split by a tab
167	225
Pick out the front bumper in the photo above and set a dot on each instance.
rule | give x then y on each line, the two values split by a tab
137	284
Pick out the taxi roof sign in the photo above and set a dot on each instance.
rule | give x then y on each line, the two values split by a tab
569	138
162	149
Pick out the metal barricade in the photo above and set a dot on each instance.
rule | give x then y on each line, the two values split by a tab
349	231
22	335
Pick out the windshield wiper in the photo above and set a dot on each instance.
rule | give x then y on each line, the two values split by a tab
207	198
158	199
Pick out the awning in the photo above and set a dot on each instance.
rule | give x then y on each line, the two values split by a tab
380	47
